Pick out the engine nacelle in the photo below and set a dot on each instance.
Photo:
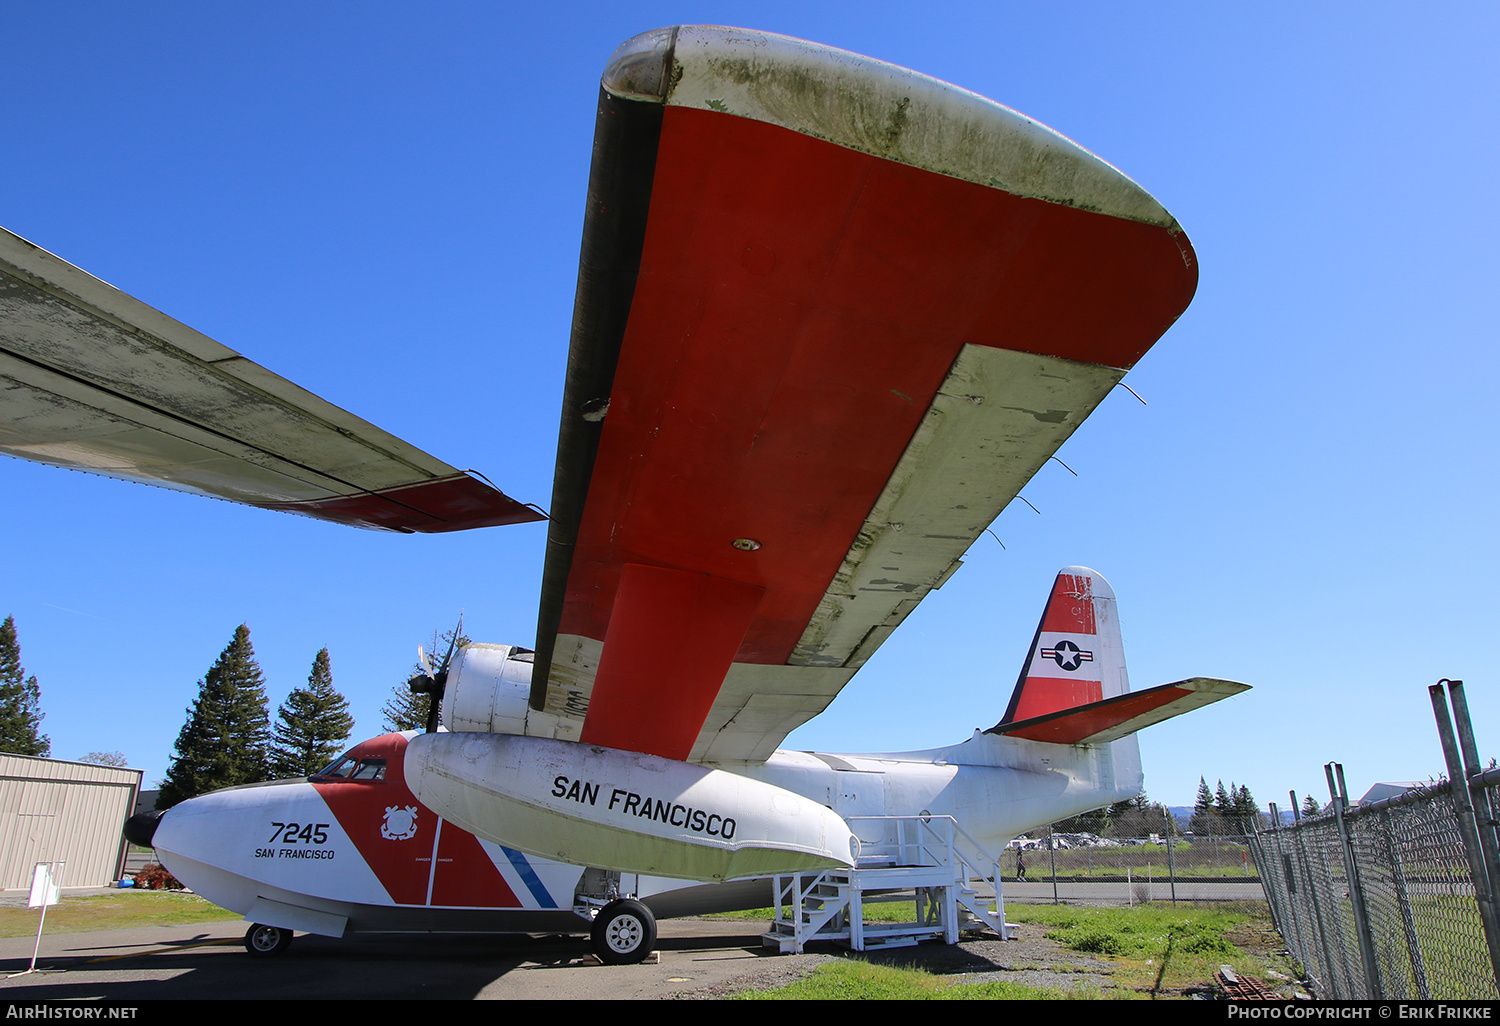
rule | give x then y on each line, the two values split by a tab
624	811
487	689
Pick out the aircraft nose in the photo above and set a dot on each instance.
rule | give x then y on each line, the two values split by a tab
140	828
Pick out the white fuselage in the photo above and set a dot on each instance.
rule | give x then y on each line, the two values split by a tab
334	855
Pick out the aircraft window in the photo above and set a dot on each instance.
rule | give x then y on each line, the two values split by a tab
350	768
523	655
343	766
369	769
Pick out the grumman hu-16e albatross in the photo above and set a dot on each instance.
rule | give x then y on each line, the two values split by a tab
831	316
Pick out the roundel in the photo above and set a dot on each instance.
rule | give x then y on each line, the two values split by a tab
400	823
1068	655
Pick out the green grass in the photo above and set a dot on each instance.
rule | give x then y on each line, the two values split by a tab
122	910
1133	941
1203	937
855	980
1202	860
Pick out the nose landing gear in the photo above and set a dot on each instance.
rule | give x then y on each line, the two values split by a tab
267	941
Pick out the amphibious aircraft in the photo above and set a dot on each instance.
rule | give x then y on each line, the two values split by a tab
831	316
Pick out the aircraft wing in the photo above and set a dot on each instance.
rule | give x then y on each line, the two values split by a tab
92	379
832	315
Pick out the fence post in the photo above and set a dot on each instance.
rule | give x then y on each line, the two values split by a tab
1482	805
1373	988
1052	853
1171	852
1458	787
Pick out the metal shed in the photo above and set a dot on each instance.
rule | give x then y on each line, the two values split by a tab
52	810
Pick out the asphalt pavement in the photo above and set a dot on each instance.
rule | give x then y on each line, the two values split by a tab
696	958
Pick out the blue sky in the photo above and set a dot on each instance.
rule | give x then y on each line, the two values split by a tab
382	202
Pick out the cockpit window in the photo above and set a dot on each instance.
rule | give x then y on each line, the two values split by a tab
523	655
369	769
350	768
340	767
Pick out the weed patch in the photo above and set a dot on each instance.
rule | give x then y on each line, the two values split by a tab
854	980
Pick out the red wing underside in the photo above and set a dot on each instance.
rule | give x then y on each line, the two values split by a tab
1114	718
802	313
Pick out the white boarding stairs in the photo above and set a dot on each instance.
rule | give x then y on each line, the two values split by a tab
928	862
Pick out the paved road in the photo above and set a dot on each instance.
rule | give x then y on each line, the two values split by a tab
697	957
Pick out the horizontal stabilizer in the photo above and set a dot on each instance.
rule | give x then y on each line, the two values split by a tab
1114	718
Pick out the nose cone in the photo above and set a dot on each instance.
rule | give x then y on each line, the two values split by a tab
141	828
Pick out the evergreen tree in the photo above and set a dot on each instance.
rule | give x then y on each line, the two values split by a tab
1310	806
228	732
406	711
1205	801
1137	817
20	700
1203	821
1223	804
1245	810
312	727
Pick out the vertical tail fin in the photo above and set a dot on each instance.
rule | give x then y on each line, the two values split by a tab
1077	656
1073	688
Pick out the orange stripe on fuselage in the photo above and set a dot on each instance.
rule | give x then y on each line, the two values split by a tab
465	874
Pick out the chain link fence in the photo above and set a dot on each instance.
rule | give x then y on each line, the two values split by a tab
1406	862
1087	869
1396	898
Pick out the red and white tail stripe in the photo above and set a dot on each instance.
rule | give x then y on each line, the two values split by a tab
1077	656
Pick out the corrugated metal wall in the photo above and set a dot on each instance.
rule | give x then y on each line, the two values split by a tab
52	811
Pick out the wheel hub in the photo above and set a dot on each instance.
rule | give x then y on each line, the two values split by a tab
624	934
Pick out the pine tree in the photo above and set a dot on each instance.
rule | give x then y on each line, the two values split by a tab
312	727
1223	804
1136	817
1310	806
406	711
228	732
1203	811
1246	815
20	700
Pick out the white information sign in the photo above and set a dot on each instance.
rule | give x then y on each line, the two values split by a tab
44	888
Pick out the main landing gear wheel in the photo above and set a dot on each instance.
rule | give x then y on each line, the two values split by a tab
267	941
624	932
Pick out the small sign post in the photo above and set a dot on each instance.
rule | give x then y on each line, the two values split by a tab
45	890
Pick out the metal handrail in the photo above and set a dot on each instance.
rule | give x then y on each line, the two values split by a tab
970	865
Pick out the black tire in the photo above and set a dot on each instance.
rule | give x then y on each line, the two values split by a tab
267	941
624	932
